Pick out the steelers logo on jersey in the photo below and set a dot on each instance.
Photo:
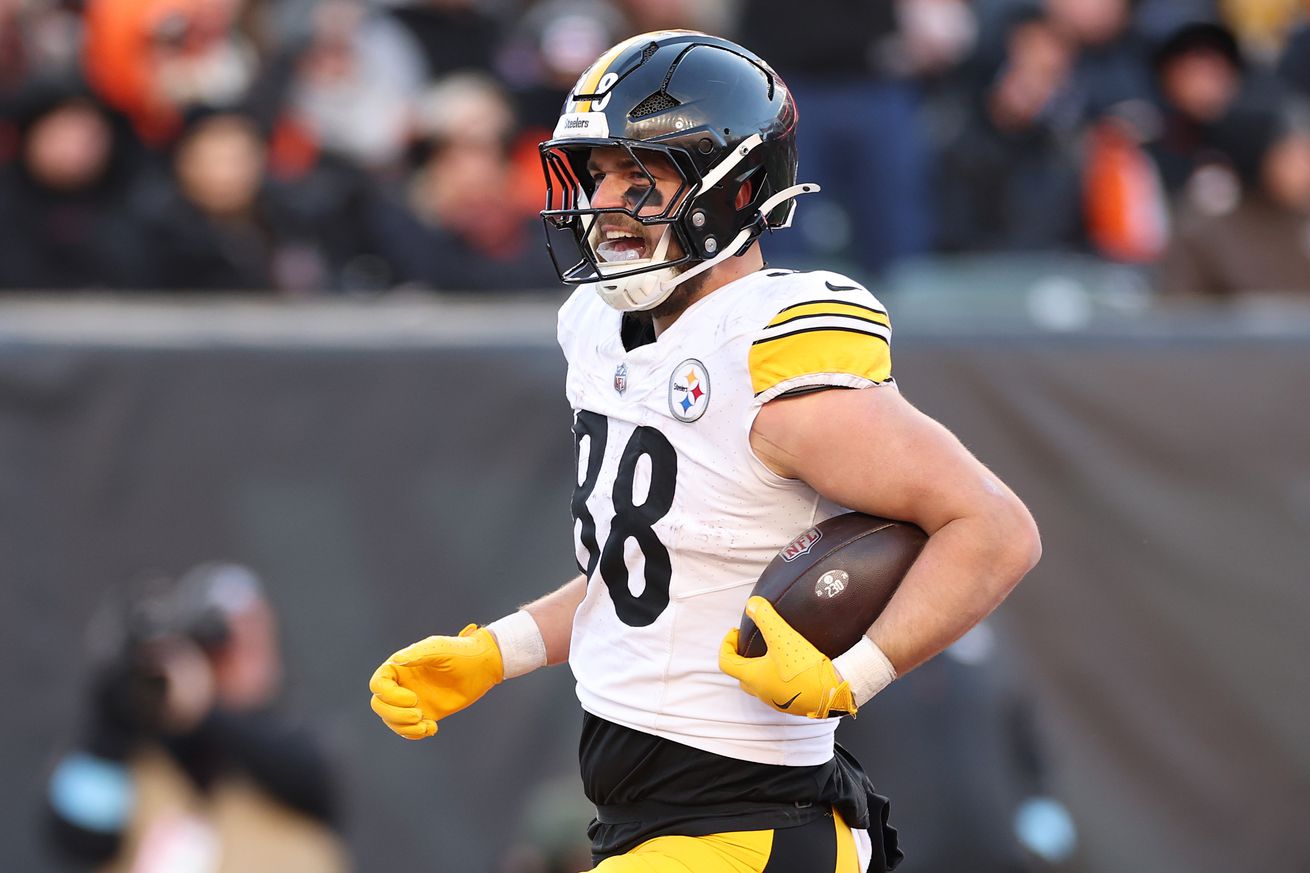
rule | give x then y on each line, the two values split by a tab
689	390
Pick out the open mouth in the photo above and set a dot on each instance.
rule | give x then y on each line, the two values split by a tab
619	246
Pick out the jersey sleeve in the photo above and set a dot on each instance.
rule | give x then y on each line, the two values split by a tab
833	334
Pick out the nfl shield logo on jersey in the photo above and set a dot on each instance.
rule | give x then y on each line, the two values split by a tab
689	390
621	379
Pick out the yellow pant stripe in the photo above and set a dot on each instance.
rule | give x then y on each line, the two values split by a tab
847	862
734	852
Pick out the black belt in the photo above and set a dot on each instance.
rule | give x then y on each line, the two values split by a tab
630	813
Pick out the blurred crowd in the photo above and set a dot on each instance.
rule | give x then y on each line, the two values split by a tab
312	147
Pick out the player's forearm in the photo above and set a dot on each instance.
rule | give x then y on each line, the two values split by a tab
964	571
554	613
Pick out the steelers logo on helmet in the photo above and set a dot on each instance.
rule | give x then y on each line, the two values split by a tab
703	133
689	390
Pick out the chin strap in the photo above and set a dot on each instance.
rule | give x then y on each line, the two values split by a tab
746	234
626	294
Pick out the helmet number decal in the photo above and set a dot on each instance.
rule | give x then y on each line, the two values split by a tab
603	88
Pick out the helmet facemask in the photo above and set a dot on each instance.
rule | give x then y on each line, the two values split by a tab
631	277
617	244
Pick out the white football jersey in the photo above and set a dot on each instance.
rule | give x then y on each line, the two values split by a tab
675	517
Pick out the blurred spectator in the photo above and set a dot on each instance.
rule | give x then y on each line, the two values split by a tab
710	16
1141	157
453	34
38	40
12	66
1262	26
1109	67
215	221
933	38
1157	19
356	82
323	217
1009	179
154	59
1124	202
62	221
549	48
861	140
1294	65
1041	124
183	761
1199	72
467	106
1257	239
471	233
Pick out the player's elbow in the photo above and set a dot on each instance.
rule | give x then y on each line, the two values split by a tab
1018	541
1005	538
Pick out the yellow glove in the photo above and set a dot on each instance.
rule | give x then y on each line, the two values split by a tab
421	684
792	676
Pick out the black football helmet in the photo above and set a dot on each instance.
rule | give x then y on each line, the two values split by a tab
718	113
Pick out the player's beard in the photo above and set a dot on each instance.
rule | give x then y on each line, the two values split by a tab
682	295
676	301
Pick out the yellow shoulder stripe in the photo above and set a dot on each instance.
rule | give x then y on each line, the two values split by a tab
805	351
818	308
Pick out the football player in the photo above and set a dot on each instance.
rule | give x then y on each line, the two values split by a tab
720	407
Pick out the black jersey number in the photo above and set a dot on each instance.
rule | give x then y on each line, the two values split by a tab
631	521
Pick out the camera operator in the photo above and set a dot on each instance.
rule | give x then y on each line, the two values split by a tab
183	765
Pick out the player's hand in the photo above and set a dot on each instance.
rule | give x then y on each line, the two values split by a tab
792	676
421	684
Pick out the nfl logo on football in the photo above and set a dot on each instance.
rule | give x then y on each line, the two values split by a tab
800	545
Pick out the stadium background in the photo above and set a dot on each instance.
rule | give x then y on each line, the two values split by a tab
363	403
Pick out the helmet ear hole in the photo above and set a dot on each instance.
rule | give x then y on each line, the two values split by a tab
754	189
744	193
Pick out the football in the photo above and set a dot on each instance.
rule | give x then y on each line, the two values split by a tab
833	580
